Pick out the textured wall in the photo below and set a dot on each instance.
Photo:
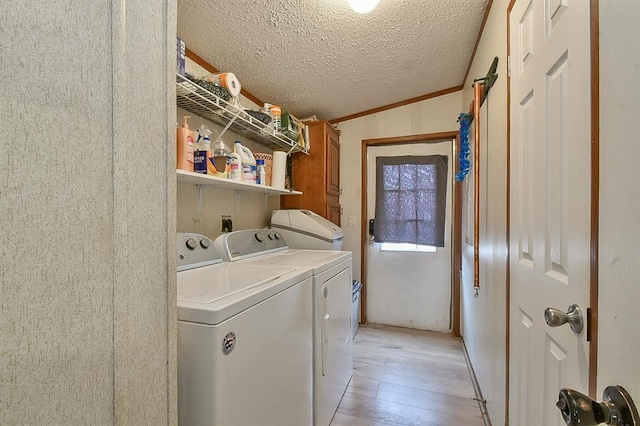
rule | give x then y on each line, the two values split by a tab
201	211
203	215
483	322
87	286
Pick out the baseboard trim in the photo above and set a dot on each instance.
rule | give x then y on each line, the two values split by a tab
482	403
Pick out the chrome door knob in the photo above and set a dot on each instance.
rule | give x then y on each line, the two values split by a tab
617	408
555	318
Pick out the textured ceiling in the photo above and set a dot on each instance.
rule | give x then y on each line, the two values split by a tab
319	57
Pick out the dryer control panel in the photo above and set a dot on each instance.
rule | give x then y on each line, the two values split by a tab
195	250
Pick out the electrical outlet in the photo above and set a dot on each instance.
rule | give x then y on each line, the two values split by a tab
227	223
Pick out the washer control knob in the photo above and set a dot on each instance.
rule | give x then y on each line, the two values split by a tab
191	244
276	236
205	243
259	237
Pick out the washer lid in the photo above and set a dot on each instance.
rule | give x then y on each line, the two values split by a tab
211	294
316	260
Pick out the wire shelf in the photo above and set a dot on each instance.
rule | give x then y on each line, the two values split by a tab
199	101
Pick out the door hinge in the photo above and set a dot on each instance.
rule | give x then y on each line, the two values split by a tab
509	66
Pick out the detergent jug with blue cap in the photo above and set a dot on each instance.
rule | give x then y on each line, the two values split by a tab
248	162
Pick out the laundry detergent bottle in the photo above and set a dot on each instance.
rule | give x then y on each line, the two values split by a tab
234	166
185	146
248	162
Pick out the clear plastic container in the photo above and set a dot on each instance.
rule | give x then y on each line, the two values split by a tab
276	114
261	174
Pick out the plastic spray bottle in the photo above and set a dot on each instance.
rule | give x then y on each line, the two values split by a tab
203	160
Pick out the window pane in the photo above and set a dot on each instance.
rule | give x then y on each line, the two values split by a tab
406	247
410	199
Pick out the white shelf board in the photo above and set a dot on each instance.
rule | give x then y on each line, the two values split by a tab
222	183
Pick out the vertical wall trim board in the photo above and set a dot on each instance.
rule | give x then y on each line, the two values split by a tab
143	203
117	52
364	234
508	236
478	90
113	209
457	241
595	194
171	214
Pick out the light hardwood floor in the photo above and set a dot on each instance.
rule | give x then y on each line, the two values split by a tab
407	377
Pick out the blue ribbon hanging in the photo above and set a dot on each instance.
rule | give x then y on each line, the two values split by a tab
465	164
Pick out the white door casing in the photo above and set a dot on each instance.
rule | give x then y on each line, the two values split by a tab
403	288
550	202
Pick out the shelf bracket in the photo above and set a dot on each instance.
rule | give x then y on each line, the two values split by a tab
199	188
236	115
237	201
266	202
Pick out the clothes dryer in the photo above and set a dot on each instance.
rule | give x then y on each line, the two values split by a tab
244	340
332	306
303	229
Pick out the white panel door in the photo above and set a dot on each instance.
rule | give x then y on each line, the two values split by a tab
550	202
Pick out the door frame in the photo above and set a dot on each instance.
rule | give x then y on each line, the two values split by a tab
592	313
456	253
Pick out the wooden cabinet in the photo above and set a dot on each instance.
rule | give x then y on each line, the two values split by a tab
317	175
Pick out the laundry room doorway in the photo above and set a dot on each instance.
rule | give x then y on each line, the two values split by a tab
409	285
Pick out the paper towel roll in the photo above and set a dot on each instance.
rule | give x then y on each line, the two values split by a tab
231	83
227	80
278	170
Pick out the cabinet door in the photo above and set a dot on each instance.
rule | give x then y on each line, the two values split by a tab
334	211
333	162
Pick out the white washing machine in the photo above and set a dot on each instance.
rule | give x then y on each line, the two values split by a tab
244	340
331	274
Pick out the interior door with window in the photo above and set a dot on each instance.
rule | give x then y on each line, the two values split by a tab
550	203
409	288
